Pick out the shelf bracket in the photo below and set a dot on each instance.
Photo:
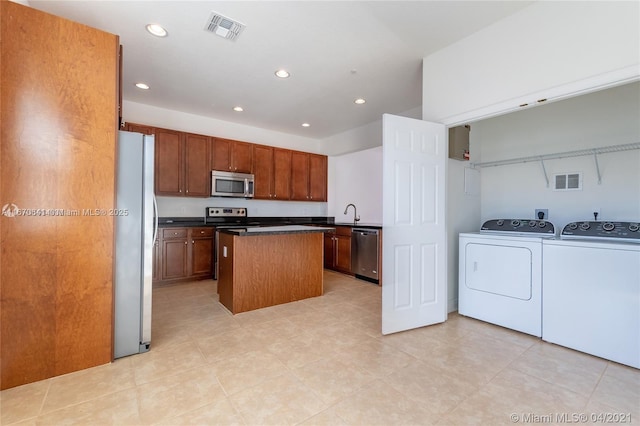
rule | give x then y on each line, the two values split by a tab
595	157
544	170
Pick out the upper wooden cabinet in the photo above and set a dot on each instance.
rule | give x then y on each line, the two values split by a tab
182	165
317	177
138	128
169	162
232	156
308	177
197	167
272	172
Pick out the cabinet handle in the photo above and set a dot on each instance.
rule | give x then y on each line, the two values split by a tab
185	243
192	242
202	232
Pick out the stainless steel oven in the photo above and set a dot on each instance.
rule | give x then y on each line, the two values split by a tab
224	217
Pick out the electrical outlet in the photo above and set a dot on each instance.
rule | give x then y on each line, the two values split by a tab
595	213
542	212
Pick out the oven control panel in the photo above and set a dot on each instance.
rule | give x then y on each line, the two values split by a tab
226	212
519	226
619	231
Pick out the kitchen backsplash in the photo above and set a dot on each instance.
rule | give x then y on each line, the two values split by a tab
195	207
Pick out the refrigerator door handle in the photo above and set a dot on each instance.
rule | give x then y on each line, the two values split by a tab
155	216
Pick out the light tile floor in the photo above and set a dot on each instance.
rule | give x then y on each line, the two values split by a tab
323	361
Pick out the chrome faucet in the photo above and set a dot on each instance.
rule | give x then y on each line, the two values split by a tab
356	218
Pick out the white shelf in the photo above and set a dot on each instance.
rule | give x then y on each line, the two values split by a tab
567	154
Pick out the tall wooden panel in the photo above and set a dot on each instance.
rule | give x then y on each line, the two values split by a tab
58	128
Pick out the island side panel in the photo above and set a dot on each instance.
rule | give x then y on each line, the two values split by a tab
225	271
274	269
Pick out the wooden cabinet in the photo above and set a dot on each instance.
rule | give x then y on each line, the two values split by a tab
308	177
317	177
185	254
337	249
59	103
232	156
174	253
182	166
138	128
197	167
169	162
201	252
272	172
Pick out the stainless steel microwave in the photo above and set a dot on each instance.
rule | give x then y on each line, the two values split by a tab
229	184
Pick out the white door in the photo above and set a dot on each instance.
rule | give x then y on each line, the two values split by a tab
414	268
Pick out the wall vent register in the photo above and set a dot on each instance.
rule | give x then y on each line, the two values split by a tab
567	182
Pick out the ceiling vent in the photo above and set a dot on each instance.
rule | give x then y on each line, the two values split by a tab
223	26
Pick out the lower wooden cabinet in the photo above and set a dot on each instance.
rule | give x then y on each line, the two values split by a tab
337	250
184	254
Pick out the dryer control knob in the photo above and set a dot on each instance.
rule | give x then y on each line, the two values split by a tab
515	223
500	222
573	225
532	223
542	224
608	226
633	227
585	225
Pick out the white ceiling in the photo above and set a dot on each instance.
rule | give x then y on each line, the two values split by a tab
336	51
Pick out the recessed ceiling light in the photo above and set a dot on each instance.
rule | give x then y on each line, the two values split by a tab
156	30
306	125
238	109
282	74
142	86
359	101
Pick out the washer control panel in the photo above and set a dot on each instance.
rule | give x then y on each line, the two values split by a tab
618	231
519	226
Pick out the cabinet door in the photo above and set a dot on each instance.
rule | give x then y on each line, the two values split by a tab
281	174
343	254
174	258
169	171
241	157
201	257
138	128
299	176
221	155
197	166
317	177
329	250
263	172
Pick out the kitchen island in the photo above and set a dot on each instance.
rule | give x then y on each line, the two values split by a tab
266	266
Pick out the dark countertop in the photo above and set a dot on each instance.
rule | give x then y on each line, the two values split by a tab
273	230
168	222
359	225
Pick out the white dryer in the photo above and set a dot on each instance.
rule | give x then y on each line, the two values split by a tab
500	273
591	296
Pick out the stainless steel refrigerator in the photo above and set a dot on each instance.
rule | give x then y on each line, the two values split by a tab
136	227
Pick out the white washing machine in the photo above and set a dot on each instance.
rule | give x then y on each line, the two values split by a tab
500	273
591	295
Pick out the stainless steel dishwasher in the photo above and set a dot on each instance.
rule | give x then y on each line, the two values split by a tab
364	254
